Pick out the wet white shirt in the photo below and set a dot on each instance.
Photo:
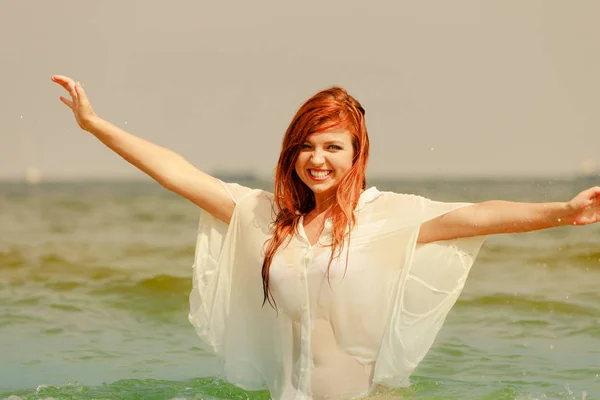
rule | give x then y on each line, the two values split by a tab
368	323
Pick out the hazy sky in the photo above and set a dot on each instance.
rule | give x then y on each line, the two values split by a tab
475	88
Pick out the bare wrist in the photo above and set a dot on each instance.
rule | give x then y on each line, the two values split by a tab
566	213
92	124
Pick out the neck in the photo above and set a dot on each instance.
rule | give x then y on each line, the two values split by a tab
323	202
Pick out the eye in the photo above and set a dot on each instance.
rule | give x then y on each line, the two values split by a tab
335	147
305	146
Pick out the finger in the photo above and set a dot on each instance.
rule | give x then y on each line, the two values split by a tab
62	80
67	83
80	92
68	102
56	78
59	77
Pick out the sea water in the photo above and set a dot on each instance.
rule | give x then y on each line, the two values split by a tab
95	277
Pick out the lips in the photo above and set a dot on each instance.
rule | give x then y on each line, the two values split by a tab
319	175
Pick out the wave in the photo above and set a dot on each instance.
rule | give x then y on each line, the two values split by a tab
197	388
554	255
423	387
529	304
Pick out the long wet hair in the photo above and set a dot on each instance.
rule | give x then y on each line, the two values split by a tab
329	109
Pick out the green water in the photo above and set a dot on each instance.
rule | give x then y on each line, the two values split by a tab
94	279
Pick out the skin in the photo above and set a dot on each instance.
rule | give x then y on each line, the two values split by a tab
331	152
163	165
497	216
321	152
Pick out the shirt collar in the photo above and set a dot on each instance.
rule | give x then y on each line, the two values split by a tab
366	196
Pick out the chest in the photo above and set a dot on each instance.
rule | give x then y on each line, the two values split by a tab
313	230
304	281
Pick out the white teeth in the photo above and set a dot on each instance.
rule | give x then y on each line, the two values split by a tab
319	174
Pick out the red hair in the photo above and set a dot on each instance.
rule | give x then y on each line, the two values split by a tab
332	108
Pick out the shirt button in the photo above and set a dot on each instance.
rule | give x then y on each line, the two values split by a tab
302	277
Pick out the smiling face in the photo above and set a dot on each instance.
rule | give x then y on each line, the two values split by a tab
324	159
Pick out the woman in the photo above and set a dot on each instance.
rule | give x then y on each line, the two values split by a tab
324	289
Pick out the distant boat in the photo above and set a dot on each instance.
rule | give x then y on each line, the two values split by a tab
33	176
235	176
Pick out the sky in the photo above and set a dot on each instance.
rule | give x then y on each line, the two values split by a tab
452	89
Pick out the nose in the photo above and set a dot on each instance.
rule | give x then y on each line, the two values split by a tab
317	157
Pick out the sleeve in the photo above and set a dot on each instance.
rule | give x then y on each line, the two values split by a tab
236	191
226	297
428	286
215	241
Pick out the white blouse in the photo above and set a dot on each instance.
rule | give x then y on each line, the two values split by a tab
367	323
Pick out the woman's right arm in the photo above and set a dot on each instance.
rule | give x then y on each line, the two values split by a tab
163	165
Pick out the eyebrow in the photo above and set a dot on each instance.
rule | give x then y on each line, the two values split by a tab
328	142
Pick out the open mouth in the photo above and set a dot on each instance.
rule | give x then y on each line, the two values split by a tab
319	175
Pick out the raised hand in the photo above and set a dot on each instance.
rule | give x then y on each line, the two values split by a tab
586	207
79	103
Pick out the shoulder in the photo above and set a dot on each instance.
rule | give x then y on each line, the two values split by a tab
250	204
255	198
374	200
243	194
411	207
396	209
254	210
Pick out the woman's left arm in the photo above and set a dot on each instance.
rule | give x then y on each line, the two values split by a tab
497	216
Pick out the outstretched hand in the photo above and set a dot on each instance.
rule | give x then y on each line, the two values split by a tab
79	103
586	207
